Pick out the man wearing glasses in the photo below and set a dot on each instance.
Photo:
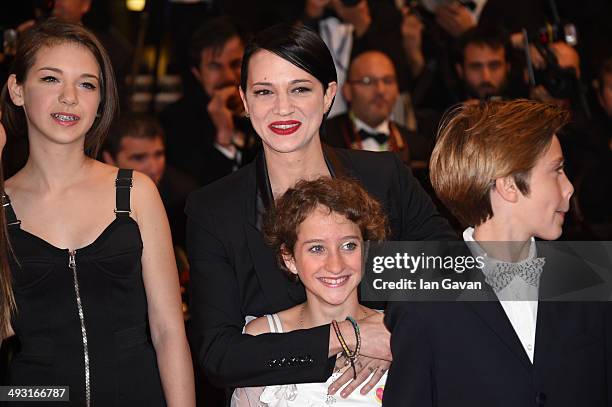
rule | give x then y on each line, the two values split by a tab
371	90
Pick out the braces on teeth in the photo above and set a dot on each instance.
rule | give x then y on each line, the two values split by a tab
63	117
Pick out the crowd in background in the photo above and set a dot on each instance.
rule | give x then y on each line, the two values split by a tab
400	65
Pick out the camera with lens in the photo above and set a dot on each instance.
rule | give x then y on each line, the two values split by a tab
561	83
549	33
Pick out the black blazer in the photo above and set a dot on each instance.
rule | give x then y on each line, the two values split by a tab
234	274
468	354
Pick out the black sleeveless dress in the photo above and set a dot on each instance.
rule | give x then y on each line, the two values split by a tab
82	315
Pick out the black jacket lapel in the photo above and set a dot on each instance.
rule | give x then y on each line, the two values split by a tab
489	309
273	282
495	317
336	167
278	290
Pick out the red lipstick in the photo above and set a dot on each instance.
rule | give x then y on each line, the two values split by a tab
284	128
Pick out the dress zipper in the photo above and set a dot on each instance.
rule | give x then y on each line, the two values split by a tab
72	266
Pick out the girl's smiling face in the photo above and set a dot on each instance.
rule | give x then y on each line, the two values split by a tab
60	94
327	256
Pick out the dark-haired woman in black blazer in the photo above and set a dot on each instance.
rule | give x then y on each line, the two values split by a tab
288	85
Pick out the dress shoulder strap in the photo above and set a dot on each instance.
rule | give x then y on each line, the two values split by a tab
274	323
123	186
11	218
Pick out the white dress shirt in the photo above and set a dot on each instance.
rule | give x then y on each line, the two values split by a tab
338	36
521	313
370	144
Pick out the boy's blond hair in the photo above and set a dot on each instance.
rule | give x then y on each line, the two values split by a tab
479	143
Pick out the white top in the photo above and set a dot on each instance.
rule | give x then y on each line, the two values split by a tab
304	394
522	314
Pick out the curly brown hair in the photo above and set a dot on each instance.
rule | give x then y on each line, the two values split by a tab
343	196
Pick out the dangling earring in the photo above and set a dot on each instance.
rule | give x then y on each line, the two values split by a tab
247	115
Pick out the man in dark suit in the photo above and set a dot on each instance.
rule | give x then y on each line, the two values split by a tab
372	91
507	348
205	131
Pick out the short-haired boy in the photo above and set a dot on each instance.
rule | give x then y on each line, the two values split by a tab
498	167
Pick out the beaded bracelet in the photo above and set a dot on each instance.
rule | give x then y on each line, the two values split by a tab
351	356
357	336
355	354
345	349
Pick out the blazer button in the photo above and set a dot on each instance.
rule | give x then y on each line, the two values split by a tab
540	399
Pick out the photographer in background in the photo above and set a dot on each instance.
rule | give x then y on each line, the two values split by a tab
483	65
556	80
436	26
559	76
206	131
